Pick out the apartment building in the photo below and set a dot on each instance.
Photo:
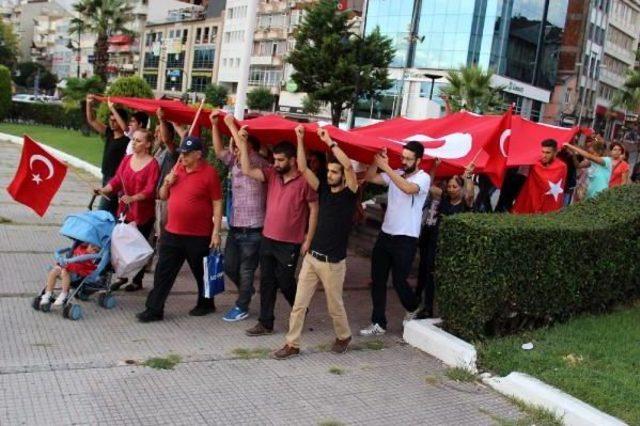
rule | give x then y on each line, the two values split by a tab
180	53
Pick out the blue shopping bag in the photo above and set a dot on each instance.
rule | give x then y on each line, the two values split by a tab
213	274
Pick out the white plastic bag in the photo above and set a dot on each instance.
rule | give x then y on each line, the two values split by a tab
130	251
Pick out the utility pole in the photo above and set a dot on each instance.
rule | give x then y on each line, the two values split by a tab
243	83
411	50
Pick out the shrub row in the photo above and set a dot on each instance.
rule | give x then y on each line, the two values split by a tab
50	114
502	273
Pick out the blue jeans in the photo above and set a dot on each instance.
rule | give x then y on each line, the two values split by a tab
241	258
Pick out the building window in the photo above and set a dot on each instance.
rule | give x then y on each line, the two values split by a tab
198	35
175	60
173	81
152	80
185	33
151	60
199	83
203	58
261	76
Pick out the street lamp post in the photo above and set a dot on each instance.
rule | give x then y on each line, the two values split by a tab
433	78
77	52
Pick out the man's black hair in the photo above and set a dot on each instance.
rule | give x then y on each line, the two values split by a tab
286	148
141	118
416	147
123	114
550	143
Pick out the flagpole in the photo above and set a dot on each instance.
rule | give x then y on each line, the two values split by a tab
195	119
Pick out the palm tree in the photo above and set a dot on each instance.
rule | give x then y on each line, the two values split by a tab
470	88
629	95
102	18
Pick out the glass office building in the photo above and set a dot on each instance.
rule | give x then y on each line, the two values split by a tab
499	34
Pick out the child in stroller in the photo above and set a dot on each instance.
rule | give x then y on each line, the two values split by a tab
68	272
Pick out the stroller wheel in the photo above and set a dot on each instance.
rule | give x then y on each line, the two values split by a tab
45	307
107	301
83	295
74	312
66	309
35	303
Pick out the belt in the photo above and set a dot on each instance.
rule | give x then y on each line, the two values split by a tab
245	230
324	258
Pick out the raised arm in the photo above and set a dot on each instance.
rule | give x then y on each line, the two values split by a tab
180	130
164	130
119	120
585	154
301	158
382	161
372	174
240	137
469	188
215	135
91	119
349	173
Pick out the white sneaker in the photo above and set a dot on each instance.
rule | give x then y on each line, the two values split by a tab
60	300
373	330
409	316
45	298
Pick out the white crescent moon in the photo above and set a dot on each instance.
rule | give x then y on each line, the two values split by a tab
456	145
503	139
45	160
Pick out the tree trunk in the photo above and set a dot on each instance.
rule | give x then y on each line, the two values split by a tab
336	114
101	57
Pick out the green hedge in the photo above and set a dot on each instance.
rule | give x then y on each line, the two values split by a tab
50	114
502	273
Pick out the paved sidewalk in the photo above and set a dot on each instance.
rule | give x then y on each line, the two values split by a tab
55	371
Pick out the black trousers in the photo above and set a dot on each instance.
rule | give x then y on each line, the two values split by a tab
395	254
174	249
145	230
278	261
426	280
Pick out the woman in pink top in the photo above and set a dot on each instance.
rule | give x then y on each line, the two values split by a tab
620	168
136	180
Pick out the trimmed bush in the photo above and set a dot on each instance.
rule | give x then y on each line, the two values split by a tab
43	113
5	91
502	273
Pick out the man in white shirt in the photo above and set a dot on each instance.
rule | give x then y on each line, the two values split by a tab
396	245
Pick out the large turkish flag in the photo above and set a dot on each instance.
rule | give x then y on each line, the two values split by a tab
543	190
38	177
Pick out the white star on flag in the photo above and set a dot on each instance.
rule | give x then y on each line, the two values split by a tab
555	189
36	178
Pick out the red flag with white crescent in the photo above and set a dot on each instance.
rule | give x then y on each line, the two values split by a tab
543	191
38	177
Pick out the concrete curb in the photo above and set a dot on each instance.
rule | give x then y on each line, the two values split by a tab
69	159
533	391
455	352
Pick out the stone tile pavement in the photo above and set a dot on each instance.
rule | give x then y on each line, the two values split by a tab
55	371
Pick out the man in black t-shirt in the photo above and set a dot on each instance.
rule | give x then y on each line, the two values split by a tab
325	262
115	146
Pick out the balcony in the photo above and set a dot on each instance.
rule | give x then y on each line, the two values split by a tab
272	7
270	33
274	61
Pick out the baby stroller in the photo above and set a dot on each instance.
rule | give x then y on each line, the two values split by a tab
92	227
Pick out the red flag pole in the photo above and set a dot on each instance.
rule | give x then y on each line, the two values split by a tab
195	119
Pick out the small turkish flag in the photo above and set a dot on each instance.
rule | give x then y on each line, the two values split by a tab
38	177
342	5
543	190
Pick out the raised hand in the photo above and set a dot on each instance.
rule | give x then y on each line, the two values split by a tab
215	114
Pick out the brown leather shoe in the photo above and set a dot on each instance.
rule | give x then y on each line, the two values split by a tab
259	330
340	346
286	352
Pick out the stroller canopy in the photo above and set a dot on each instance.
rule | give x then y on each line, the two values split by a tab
93	227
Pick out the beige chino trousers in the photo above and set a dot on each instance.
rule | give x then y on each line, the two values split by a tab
331	275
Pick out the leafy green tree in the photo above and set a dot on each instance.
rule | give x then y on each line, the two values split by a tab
27	73
260	99
5	91
77	90
102	18
629	95
216	95
8	45
470	88
310	105
134	87
334	65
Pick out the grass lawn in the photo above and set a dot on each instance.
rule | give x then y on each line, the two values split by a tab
69	141
594	358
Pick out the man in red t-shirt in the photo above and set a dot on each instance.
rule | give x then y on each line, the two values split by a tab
194	205
289	224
